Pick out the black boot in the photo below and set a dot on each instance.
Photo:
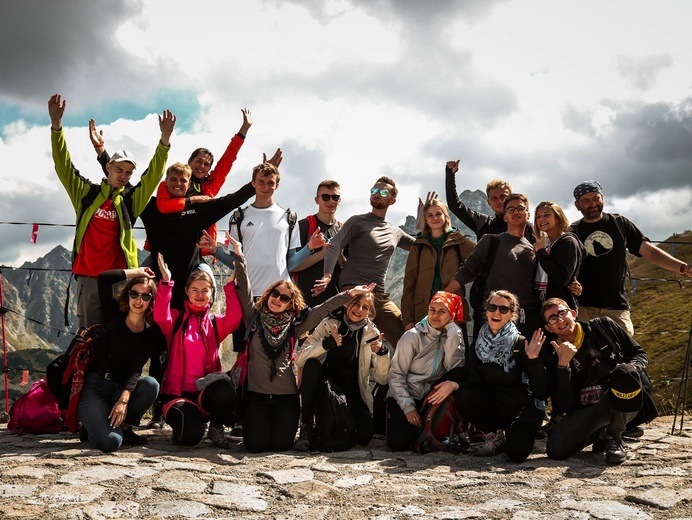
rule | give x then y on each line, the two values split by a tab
130	438
303	442
157	420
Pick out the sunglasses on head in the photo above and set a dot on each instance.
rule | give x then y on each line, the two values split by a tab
285	298
145	296
491	307
325	197
382	191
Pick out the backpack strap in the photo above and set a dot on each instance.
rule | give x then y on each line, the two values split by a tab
292	219
236	220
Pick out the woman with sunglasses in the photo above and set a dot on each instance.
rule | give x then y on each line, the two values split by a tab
194	338
503	376
275	321
432	262
346	348
559	253
114	396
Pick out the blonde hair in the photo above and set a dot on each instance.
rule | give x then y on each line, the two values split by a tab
356	299
435	202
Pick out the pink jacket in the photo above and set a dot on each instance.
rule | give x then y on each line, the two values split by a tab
165	318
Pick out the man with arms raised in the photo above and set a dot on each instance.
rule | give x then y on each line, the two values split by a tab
106	212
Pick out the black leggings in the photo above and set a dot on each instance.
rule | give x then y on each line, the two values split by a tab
314	373
187	419
270	422
400	432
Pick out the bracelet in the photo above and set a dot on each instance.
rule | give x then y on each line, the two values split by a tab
123	402
97	146
684	268
350	294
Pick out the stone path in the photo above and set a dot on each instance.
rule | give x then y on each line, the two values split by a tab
54	476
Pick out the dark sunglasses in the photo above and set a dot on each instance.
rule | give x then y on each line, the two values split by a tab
325	197
145	296
285	298
382	191
491	307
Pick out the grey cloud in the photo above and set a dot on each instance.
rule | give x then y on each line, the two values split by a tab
642	72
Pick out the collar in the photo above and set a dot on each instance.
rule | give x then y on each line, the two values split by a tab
579	340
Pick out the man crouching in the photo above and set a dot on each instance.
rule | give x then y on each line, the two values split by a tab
596	379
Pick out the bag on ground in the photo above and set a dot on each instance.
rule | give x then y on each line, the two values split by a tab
335	429
36	411
441	423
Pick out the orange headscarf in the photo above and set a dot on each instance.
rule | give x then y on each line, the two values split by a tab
453	303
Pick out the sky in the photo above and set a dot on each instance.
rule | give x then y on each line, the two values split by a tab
541	93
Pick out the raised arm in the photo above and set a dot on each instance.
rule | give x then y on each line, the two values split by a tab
56	109
659	257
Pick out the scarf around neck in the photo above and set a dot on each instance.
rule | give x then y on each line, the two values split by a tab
497	348
274	332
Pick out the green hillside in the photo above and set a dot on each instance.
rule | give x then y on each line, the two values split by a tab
662	315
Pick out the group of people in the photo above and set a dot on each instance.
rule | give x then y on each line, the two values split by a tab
306	302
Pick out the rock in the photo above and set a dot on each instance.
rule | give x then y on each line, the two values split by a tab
290	476
348	482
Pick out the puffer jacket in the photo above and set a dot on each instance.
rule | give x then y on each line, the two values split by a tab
422	356
370	365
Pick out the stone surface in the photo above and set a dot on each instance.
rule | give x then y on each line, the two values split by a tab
47	477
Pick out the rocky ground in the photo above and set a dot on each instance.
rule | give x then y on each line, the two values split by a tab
54	476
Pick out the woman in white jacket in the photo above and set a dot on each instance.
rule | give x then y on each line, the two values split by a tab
423	355
347	348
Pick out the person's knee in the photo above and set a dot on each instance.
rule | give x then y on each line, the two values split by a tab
556	448
108	443
519	441
149	388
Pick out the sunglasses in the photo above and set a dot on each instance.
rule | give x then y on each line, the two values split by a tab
491	307
382	191
325	197
285	298
145	296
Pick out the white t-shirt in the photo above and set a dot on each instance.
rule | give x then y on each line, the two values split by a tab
265	244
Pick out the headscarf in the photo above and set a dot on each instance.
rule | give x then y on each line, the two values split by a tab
452	302
587	187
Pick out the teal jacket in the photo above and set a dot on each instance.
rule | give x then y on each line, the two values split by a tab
129	201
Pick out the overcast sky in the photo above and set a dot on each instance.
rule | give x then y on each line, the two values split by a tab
541	93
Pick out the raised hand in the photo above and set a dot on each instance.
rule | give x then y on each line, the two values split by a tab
163	267
453	165
276	158
321	284
376	344
533	348
362	289
235	244
207	242
316	240
541	237
146	271
56	109
247	121
95	136
166	124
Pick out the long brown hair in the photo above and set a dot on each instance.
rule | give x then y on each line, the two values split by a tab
297	301
124	298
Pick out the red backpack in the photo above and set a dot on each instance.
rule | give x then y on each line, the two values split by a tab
441	424
36	411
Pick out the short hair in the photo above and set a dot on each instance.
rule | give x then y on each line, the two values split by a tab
552	302
124	297
328	184
495	184
179	168
265	169
298	301
513	301
562	221
198	151
389	180
516	196
199	274
370	296
435	202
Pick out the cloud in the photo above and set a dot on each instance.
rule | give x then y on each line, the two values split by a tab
643	72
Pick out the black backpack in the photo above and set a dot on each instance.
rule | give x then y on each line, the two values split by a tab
335	429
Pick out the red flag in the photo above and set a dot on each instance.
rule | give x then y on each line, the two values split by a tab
25	378
34	234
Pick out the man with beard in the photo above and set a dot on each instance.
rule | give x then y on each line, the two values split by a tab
371	241
607	237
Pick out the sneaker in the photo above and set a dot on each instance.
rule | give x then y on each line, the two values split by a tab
237	431
216	435
493	442
130	438
633	433
615	451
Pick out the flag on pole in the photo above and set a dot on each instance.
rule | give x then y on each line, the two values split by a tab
34	233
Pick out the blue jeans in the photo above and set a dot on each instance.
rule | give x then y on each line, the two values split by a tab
97	400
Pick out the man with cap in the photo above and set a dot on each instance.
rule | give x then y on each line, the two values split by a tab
595	379
105	212
607	237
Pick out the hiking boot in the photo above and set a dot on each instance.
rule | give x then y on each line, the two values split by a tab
633	433
459	443
216	435
493	442
303	442
157	421
237	431
615	451
83	434
130	438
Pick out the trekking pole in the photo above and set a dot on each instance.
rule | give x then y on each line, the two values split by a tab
5	368
682	394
